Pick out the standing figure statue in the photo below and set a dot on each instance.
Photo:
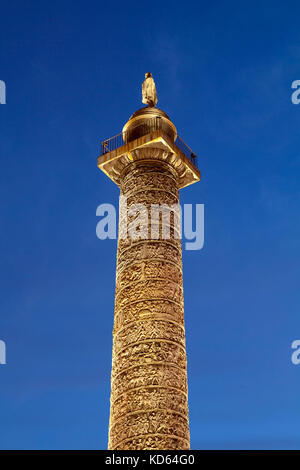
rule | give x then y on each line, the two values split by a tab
149	90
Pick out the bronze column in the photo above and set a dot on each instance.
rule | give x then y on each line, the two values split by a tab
149	405
150	163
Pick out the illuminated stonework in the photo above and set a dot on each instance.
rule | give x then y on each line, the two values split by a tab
149	401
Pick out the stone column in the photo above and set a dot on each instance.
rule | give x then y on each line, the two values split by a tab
149	405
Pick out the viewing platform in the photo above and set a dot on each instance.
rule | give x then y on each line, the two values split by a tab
145	130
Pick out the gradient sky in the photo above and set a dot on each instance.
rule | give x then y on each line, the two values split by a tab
223	71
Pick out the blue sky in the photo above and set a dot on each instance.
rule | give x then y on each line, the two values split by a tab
73	72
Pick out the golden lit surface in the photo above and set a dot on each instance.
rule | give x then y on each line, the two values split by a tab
149	400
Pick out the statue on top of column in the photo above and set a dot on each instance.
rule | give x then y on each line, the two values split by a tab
149	90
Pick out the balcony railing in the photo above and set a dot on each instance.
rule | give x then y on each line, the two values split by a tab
152	125
186	150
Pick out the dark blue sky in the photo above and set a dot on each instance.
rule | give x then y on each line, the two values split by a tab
223	71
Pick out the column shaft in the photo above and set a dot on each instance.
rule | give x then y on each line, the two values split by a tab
149	406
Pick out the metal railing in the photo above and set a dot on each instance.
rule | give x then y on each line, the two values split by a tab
139	131
186	150
112	144
152	125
